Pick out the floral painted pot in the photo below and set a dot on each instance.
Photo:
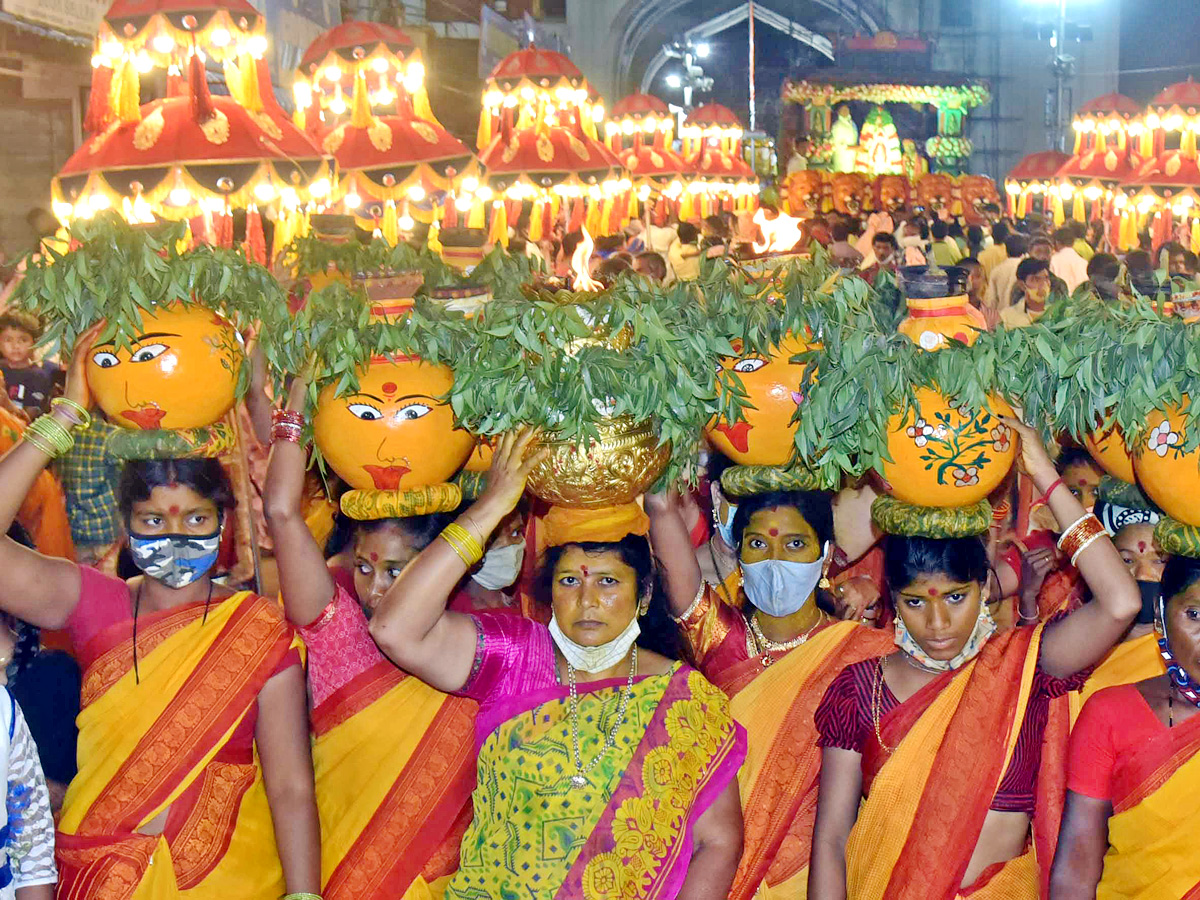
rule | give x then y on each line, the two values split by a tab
945	456
180	372
1109	450
393	433
766	436
1169	476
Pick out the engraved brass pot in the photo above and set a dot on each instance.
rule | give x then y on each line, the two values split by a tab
619	468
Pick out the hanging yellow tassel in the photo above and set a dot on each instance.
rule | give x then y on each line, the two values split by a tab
535	221
588	122
483	135
233	81
421	107
1023	205
528	117
1187	143
127	90
687	207
555	206
390	224
592	220
360	103
434	240
1147	144
1196	235
499	231
632	212
478	216
251	96
1078	142
1057	208
1080	212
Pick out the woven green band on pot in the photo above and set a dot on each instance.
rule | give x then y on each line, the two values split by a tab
364	506
896	517
1122	493
208	441
746	481
1177	539
471	484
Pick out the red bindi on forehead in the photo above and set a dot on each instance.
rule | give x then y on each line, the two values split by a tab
774	532
173	510
584	569
933	592
374	557
389	387
1141	546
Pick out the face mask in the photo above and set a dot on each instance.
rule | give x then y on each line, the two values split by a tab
175	559
779	587
985	627
596	659
724	527
1149	591
500	567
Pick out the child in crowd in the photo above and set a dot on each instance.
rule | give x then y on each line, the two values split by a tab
30	383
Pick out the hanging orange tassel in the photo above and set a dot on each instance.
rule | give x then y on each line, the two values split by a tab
549	214
99	111
632	211
256	242
578	211
225	230
593	220
202	102
450	219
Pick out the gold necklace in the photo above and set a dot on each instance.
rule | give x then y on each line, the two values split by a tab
877	705
768	645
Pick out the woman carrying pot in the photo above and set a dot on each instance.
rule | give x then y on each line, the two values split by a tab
604	767
774	651
194	766
943	737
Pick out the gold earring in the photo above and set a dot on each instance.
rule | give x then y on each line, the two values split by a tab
824	584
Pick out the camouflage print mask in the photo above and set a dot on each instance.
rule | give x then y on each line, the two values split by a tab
175	559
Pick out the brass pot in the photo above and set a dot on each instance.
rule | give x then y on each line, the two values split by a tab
625	462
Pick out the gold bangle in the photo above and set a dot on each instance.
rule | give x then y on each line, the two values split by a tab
459	551
463	544
40	443
302	895
55	439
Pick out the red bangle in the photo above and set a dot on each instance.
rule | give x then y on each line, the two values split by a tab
1050	490
287	416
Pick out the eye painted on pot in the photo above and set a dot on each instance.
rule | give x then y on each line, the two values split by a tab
750	364
365	411
105	360
147	353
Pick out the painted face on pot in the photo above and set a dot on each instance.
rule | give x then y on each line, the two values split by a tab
594	595
179	372
940	612
765	437
1183	628
395	432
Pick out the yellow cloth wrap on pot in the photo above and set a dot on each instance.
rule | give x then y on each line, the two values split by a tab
422	501
746	481
896	517
1177	538
208	441
565	525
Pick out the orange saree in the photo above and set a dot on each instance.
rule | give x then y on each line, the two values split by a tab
927	799
160	741
395	767
778	781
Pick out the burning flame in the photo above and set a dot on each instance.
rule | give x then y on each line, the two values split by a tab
583	281
781	233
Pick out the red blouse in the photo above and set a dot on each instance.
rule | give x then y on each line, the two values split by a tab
844	720
1114	724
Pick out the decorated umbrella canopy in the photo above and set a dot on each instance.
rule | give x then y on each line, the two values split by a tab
1034	176
535	85
1175	109
641	117
557	169
1104	155
369	56
640	132
1165	193
712	140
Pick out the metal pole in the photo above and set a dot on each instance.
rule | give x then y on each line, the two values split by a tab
1060	75
753	114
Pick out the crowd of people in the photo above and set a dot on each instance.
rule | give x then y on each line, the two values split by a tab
699	696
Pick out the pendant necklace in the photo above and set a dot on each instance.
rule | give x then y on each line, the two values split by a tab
579	779
768	645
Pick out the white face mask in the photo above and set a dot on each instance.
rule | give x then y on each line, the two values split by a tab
500	567
778	587
596	659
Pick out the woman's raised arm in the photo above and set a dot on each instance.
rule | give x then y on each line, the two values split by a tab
304	580
673	548
411	624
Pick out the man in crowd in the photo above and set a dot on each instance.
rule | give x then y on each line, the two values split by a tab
1033	283
995	254
1066	262
1003	277
842	251
945	251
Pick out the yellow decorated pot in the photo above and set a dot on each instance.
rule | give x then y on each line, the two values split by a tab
1109	450
181	372
393	433
618	469
931	321
481	456
1167	475
766	436
945	458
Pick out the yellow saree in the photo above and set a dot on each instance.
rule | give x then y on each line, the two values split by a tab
154	741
